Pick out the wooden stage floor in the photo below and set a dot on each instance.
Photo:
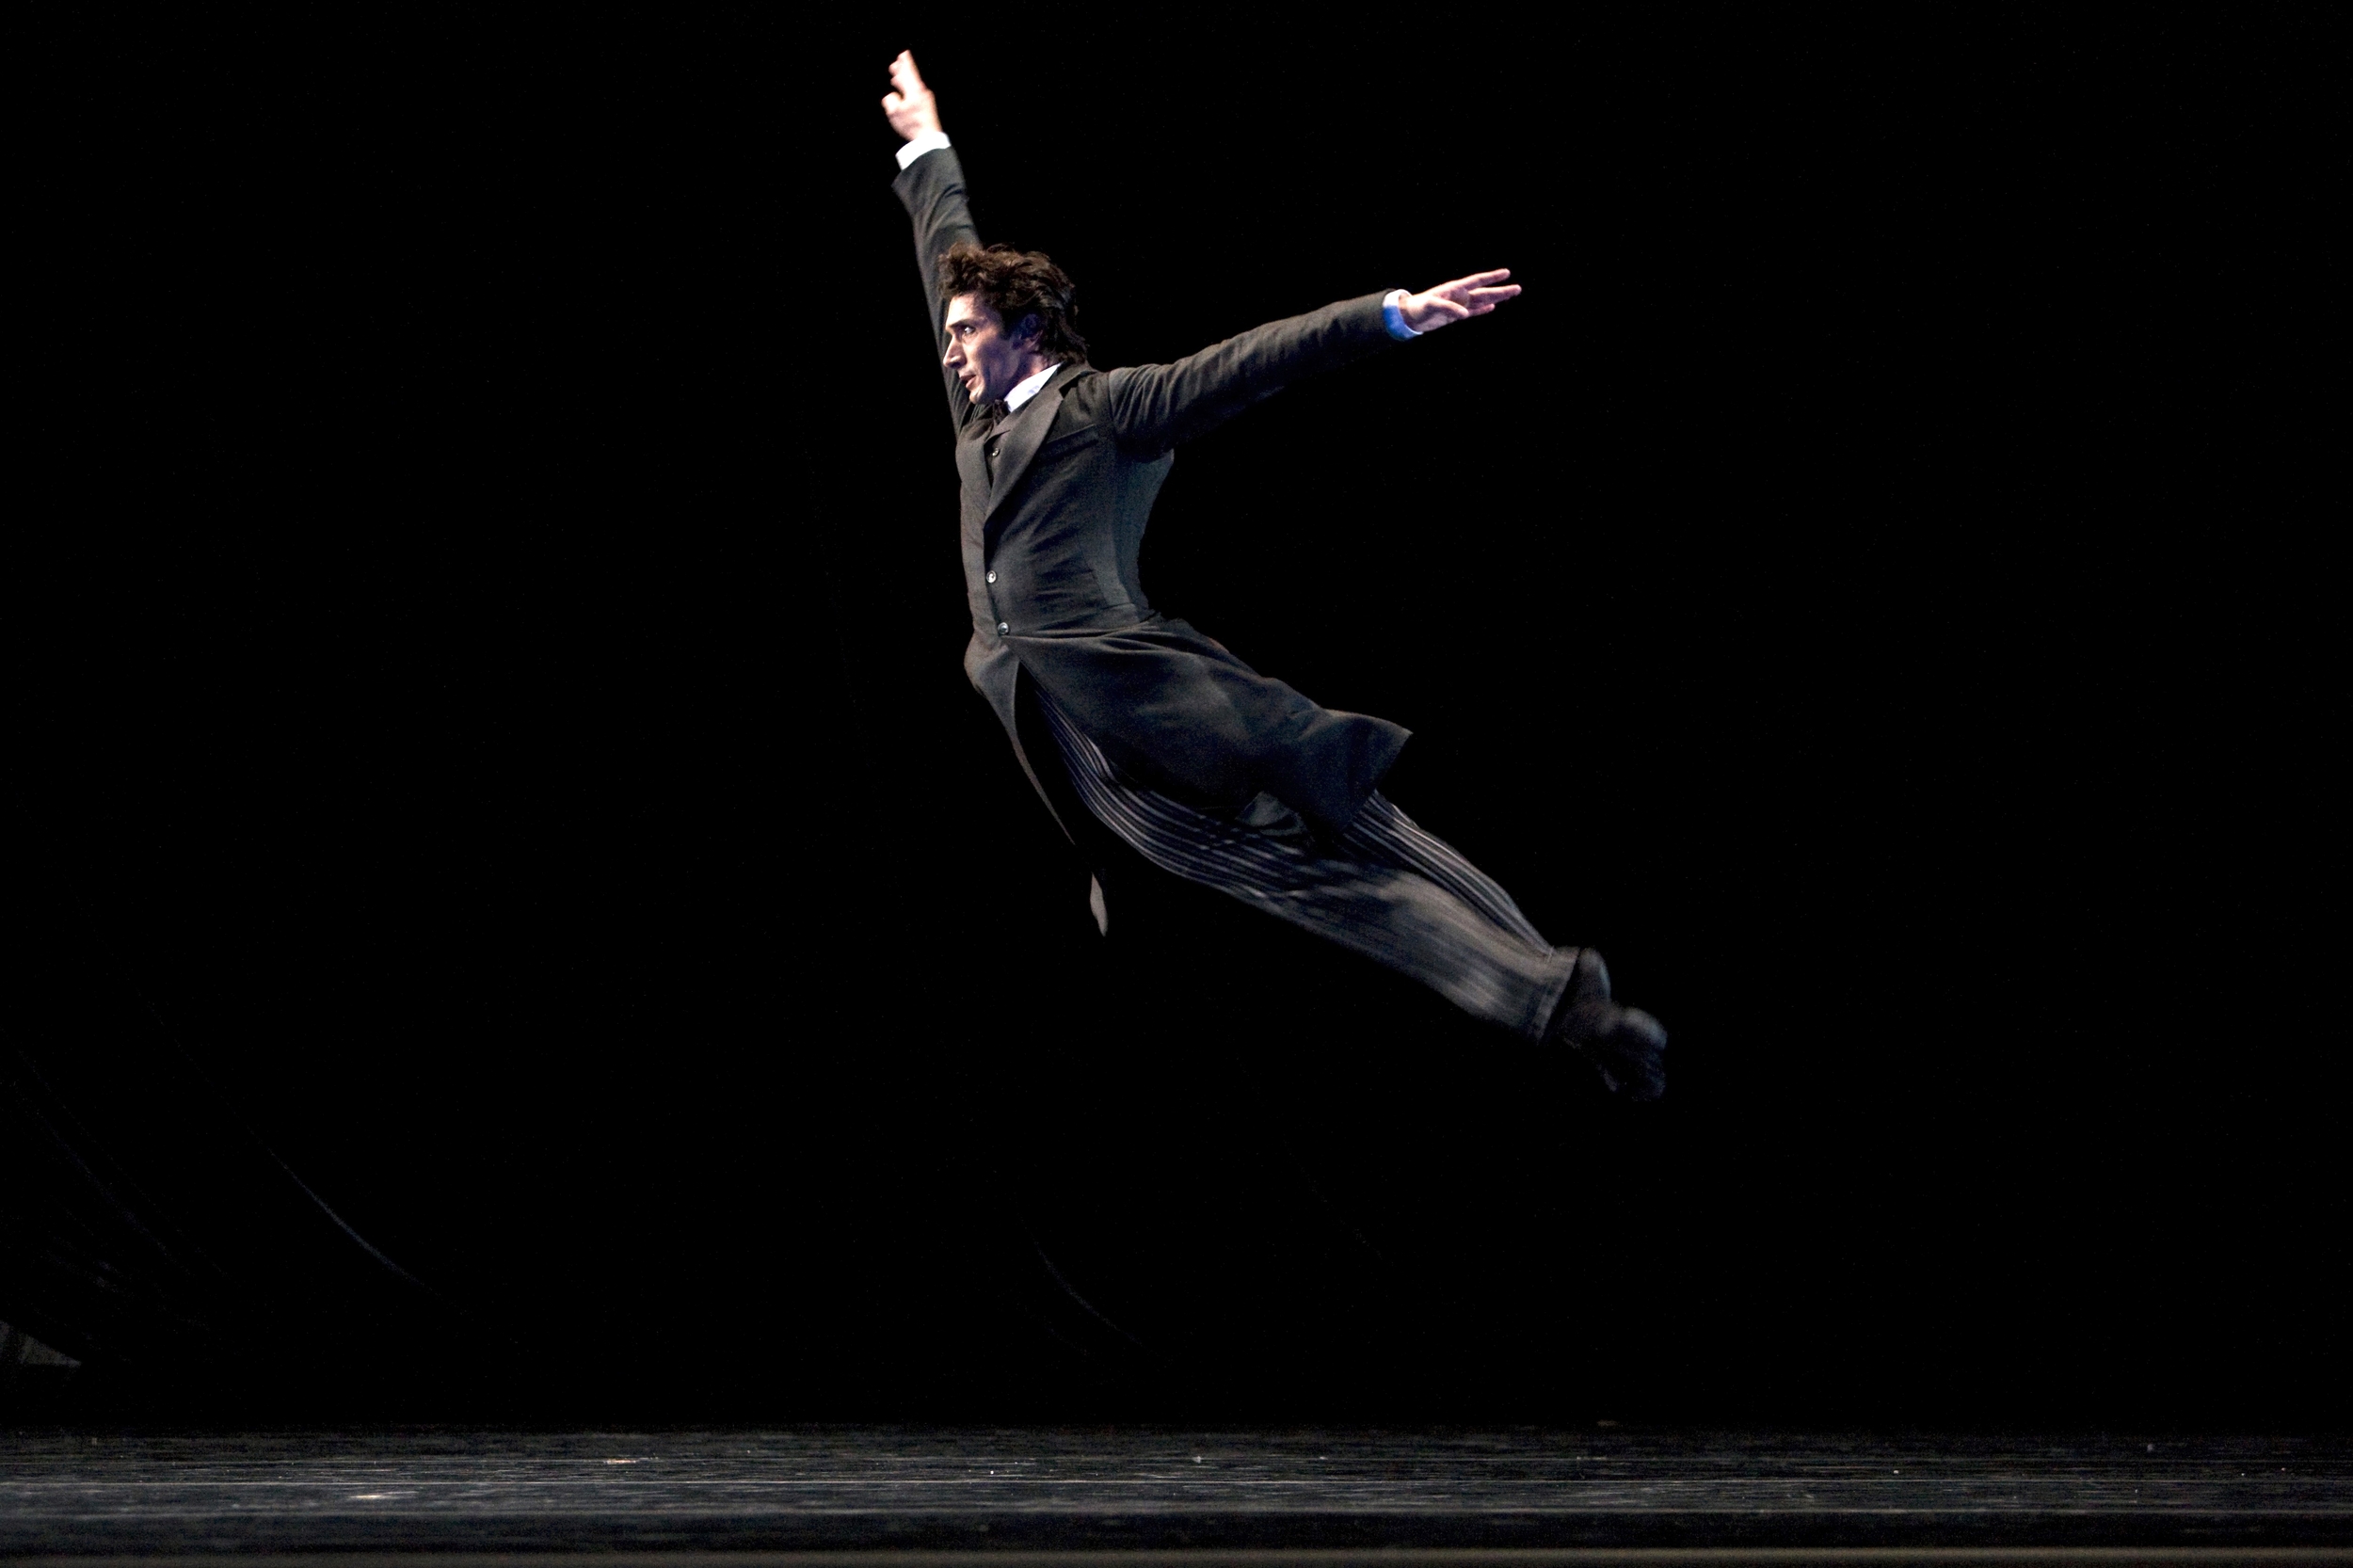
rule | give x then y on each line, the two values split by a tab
1114	1494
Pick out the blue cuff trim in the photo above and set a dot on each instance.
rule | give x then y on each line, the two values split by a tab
1391	314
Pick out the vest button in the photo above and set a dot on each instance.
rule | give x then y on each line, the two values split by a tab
992	577
1003	629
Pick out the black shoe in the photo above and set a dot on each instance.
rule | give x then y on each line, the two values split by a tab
1625	1044
1590	979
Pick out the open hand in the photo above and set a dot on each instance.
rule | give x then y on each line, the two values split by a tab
1448	303
909	104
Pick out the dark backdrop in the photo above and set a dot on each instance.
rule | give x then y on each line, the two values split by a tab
522	916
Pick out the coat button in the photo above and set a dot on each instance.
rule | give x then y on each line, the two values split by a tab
1003	629
992	577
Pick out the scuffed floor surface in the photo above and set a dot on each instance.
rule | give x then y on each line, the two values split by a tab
1110	1495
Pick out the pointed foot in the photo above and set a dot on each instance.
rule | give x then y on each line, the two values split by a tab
1625	1044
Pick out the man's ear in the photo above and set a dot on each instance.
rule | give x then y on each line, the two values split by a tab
1026	334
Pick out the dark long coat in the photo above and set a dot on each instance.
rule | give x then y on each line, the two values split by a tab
1050	548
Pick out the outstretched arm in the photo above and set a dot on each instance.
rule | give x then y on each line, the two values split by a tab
1158	406
931	184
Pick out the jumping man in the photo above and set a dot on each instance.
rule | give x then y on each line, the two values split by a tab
1140	733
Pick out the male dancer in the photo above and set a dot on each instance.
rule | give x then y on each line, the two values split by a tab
1142	734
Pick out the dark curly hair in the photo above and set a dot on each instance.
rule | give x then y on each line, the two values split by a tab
1017	284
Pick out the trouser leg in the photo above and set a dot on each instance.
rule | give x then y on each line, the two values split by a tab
1409	899
1109	857
1386	889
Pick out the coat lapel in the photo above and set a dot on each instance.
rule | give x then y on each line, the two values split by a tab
1024	434
971	465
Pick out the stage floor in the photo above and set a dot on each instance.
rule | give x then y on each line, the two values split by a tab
1107	1494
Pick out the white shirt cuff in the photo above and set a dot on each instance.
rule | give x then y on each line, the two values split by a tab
918	144
1394	316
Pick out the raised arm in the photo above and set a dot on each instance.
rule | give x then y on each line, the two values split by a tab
931	186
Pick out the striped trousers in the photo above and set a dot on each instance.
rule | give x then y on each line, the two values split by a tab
1385	887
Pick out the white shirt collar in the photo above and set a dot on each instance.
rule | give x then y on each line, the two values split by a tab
1028	389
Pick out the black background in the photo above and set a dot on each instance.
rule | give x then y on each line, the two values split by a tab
514	774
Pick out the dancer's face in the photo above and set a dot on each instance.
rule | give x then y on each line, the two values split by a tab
988	360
